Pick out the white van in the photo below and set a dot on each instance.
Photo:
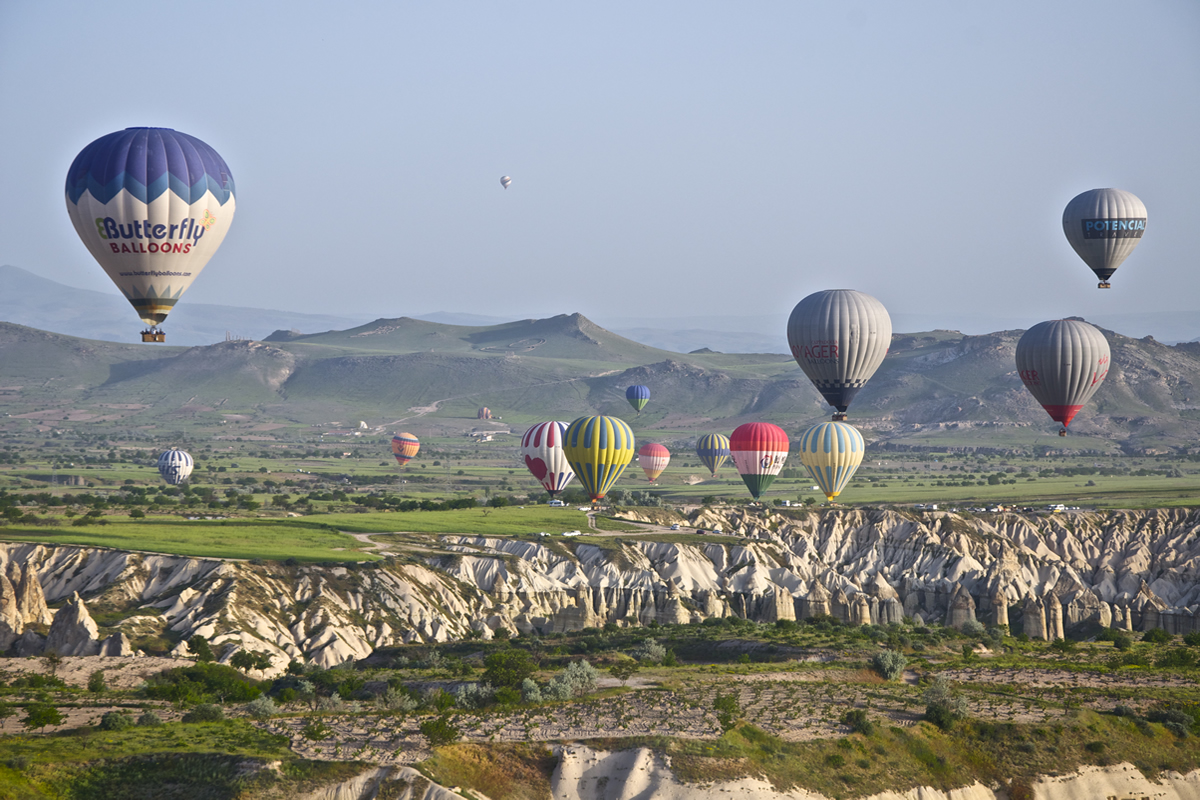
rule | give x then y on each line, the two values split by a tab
556	504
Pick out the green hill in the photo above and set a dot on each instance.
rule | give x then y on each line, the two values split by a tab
936	389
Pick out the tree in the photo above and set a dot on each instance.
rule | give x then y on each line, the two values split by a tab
96	682
728	710
39	715
439	731
943	705
858	721
315	730
508	667
198	645
243	660
6	711
52	661
205	712
624	670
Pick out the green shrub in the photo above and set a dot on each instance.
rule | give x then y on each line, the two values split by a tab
889	664
508	667
115	721
943	705
96	683
149	719
1156	636
728	710
203	682
205	712
439	731
858	721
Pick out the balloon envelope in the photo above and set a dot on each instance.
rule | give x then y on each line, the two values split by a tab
542	449
839	338
175	466
832	452
598	449
758	450
1103	226
152	205
506	181
713	450
404	447
638	396
1062	363
653	459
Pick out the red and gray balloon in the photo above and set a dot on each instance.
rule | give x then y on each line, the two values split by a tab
542	450
1104	225
1062	363
839	338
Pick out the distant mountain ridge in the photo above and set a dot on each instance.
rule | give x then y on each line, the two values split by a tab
935	389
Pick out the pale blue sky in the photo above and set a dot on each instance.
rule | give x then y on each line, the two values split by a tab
678	159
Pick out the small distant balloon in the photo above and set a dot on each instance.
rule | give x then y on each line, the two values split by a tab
405	447
506	181
638	396
175	466
653	459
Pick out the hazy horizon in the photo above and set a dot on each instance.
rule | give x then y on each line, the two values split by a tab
673	161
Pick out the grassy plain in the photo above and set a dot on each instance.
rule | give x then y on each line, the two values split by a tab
483	521
239	539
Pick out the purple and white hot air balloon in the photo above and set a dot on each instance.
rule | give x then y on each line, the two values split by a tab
152	205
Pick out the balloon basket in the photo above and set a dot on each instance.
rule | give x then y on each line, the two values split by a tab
153	335
840	416
1062	432
1103	285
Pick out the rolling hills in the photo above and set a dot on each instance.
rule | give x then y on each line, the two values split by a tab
935	389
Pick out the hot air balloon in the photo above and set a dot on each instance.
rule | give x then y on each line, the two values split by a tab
713	449
542	449
653	459
758	450
598	449
839	338
1062	363
505	181
175	466
832	452
405	447
637	396
152	205
1104	225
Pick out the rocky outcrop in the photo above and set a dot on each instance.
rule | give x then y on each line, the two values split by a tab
73	632
1045	576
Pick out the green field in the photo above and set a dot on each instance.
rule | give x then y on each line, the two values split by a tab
507	521
244	539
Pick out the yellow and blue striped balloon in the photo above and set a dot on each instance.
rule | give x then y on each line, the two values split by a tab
598	450
832	452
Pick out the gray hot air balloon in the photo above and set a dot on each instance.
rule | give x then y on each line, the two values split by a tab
1062	363
1104	225
839	338
175	466
505	181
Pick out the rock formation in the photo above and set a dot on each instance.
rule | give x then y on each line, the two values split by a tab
73	632
1040	575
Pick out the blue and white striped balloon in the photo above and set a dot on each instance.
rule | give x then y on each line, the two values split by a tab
175	466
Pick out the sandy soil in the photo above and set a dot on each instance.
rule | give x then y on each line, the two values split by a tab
120	672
